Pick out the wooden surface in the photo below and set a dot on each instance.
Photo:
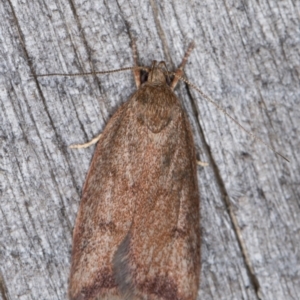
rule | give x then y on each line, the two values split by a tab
247	59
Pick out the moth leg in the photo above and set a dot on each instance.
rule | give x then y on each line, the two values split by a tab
202	163
86	145
179	70
136	72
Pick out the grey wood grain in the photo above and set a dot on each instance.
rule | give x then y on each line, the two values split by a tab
247	59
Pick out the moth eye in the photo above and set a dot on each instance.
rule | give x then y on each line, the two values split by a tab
144	76
168	80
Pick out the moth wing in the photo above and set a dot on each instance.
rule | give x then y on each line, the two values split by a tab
160	256
104	216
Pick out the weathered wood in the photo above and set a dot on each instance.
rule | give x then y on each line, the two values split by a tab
247	60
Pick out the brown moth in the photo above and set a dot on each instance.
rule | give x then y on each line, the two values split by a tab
137	232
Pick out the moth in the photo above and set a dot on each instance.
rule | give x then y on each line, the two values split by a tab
137	232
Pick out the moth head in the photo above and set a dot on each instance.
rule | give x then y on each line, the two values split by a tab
158	72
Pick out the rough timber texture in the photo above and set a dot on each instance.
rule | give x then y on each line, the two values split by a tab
247	59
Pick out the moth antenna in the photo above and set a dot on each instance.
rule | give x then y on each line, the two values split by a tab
94	73
136	71
228	115
191	47
179	77
179	70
